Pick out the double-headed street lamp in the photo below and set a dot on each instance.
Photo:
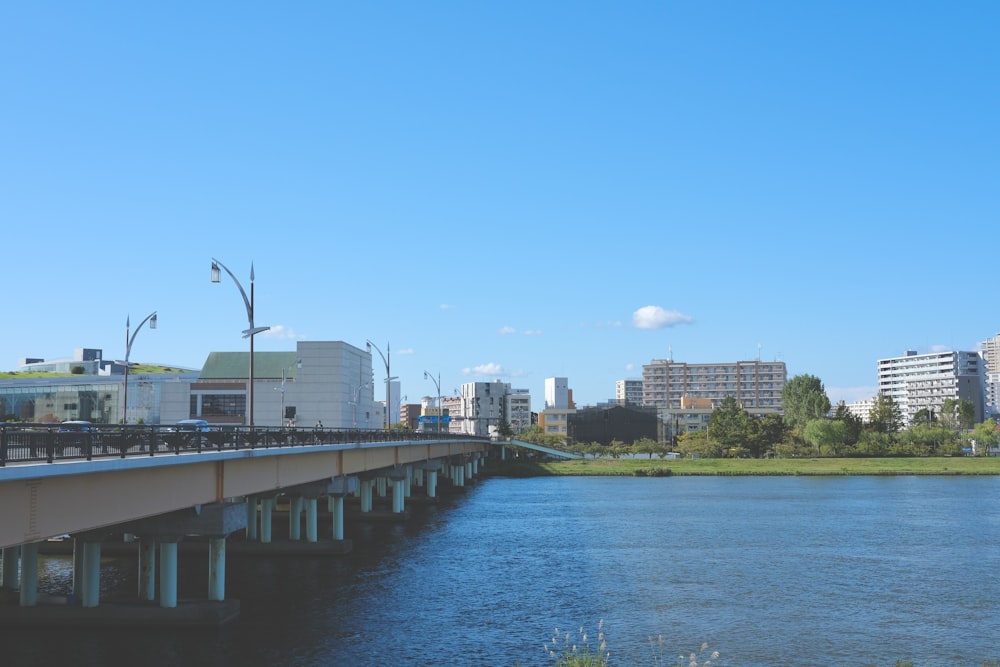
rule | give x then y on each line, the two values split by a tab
357	399
437	384
388	379
247	333
129	339
283	418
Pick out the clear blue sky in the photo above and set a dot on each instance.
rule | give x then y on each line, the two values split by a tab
500	190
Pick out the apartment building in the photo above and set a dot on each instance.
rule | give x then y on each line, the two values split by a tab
918	382
628	392
989	350
756	385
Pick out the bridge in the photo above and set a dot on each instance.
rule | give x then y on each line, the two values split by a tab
558	453
157	489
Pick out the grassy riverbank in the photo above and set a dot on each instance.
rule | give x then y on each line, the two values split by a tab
725	467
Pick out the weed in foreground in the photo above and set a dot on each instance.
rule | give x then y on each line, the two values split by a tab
568	651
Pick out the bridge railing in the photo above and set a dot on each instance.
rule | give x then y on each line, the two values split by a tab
48	443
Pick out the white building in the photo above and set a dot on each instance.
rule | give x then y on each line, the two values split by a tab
628	392
918	382
756	385
990	351
481	407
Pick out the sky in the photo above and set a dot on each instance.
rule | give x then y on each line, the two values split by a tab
507	190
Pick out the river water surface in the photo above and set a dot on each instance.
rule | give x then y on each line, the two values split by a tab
766	570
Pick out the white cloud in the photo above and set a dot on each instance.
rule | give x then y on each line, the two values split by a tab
654	317
934	349
484	370
446	306
532	332
405	350
506	331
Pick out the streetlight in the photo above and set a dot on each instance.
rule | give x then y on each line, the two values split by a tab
357	399
437	384
247	333
281	421
388	379
151	318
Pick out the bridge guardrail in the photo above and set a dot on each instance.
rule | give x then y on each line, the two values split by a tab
45	443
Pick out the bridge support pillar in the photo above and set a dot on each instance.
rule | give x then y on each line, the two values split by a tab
432	483
295	518
337	516
90	595
468	471
217	568
366	495
266	510
11	558
397	496
252	513
147	569
382	485
418	477
168	575
311	514
29	575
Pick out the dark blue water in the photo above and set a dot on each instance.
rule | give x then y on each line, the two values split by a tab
766	570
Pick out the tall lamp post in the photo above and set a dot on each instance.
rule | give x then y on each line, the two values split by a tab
282	419
388	380
437	384
129	339
357	399
247	333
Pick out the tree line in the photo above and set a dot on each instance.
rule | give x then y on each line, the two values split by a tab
808	428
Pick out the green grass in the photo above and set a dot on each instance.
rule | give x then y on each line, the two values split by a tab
743	467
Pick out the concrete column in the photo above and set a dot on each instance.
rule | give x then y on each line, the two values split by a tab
432	483
406	485
29	575
337	512
397	497
503	453
418	476
382	486
475	467
168	575
252	514
266	510
90	595
147	569
366	495
295	518
77	570
468	471
11	556
217	568
311	514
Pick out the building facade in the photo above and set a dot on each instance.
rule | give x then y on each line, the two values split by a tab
756	385
989	350
918	382
628	392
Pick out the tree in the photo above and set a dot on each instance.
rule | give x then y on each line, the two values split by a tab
771	432
829	433
984	437
854	424
804	400
885	415
730	425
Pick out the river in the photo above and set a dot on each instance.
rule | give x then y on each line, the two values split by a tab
766	570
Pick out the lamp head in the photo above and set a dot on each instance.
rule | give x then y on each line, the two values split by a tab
152	321
216	273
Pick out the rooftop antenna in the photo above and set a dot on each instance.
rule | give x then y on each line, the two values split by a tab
758	352
670	352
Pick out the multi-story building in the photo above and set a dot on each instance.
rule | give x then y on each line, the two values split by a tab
554	419
861	409
990	351
628	392
756	385
918	382
328	382
481	407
